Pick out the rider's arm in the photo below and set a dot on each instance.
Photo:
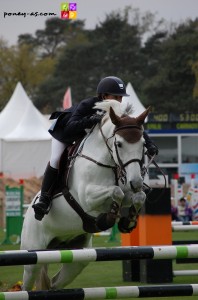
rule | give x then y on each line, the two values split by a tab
82	118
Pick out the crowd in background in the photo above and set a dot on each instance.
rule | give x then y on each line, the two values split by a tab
182	212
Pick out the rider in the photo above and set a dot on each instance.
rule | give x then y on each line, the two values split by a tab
64	132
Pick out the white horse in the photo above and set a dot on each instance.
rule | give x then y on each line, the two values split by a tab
105	176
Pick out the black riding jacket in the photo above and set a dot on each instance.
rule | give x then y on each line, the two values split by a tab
70	124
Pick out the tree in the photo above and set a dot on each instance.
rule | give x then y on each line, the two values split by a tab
112	48
169	88
6	70
159	60
20	64
195	71
57	33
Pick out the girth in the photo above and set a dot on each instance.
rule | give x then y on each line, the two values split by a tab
89	222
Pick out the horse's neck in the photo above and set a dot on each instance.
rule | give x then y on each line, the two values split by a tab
95	145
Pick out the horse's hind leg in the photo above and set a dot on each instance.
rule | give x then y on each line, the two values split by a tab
70	271
29	276
67	274
43	281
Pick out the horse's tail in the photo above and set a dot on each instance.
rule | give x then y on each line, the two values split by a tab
43	281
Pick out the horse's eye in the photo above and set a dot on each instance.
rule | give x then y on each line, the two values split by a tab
119	144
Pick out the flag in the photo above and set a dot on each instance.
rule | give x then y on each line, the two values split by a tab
67	100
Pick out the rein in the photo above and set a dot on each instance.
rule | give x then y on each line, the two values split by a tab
145	170
118	169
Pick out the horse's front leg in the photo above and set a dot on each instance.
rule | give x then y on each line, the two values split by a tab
128	223
108	199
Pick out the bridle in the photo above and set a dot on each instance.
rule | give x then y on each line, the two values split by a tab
121	164
118	169
90	223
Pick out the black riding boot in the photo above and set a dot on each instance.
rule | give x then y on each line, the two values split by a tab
43	206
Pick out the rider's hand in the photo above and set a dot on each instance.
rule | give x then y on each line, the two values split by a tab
95	119
152	149
91	121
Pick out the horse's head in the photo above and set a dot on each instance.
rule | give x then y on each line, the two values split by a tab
129	145
126	142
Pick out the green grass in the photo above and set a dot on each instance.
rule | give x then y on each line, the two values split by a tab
98	274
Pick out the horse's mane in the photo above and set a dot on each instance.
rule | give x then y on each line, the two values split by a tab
127	108
105	105
118	108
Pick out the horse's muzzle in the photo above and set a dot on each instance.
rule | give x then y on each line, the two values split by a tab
136	185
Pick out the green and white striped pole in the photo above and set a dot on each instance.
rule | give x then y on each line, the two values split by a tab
106	293
28	257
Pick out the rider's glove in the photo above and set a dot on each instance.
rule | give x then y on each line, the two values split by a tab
152	149
91	121
95	119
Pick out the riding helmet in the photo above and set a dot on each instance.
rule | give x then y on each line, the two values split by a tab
112	85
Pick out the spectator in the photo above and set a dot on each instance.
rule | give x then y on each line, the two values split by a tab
184	211
174	210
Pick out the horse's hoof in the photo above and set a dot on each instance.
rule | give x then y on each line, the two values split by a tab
124	225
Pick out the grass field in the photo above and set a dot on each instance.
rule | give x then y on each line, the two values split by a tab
99	274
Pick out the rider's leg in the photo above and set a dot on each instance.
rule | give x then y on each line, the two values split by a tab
49	181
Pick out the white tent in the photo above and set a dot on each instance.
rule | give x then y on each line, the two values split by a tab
30	128
25	149
13	111
133	99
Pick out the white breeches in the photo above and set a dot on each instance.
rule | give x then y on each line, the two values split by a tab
56	152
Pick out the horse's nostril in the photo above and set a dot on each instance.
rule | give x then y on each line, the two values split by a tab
136	185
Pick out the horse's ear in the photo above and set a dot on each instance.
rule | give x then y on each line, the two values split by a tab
114	118
141	118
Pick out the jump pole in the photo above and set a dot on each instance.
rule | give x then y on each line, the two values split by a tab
25	257
174	223
106	292
185	273
184	227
